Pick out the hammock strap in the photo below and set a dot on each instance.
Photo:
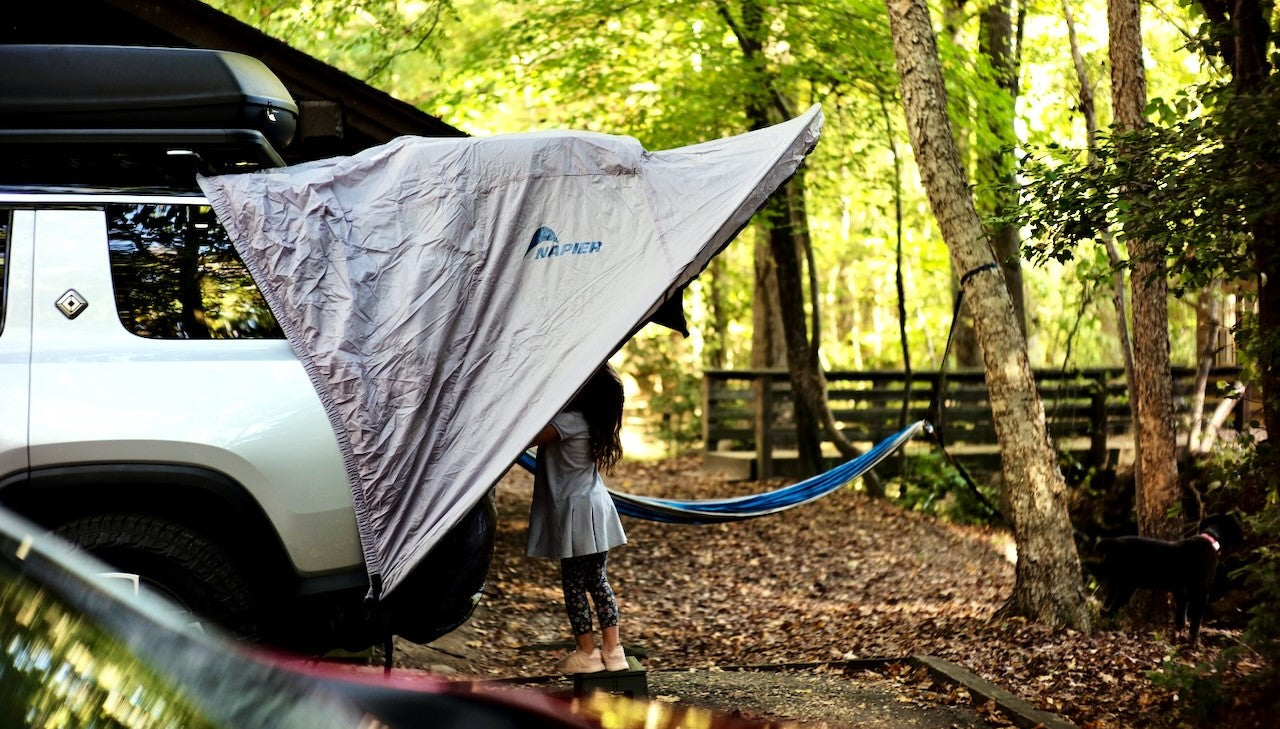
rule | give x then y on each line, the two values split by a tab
937	402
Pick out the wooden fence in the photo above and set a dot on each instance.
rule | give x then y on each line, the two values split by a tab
1087	412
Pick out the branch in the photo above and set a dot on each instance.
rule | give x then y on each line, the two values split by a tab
752	49
1225	406
426	35
723	10
1216	11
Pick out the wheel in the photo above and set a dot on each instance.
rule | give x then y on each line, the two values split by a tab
174	561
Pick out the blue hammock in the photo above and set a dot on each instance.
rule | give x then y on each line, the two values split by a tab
711	511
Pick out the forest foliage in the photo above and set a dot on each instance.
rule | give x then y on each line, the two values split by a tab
668	74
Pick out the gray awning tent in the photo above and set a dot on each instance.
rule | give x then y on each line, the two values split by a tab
448	296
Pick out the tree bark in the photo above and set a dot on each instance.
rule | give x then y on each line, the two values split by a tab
1087	106
717	346
780	235
1158	493
768	348
1048	586
1212	339
805	380
995	167
1266	251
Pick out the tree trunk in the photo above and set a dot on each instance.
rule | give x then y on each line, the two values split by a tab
964	343
780	235
1214	320
995	166
891	138
1048	587
1212	338
1158	493
768	348
1266	251
805	380
1250	20
1087	107
717	344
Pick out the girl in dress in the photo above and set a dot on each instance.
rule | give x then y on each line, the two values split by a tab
573	518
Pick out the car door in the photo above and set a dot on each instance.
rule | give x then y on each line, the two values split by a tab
16	231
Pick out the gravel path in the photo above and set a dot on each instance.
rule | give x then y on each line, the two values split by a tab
865	700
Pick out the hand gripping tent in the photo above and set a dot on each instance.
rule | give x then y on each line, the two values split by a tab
448	296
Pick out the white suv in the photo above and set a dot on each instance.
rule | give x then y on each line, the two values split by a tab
152	410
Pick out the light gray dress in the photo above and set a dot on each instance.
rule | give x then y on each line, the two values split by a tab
571	514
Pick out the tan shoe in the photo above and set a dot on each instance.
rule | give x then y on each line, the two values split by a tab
615	660
579	662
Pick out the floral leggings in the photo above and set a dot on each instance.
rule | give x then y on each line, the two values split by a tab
580	576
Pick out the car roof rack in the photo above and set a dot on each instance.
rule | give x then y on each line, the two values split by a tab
137	116
129	158
223	150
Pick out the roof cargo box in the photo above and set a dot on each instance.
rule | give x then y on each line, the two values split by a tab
95	88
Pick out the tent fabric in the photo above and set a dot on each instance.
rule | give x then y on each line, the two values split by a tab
448	296
740	508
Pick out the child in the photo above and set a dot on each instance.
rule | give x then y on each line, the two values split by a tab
573	517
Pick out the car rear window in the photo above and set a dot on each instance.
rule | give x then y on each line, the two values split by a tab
177	276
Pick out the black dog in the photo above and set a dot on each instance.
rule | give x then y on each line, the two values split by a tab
1186	568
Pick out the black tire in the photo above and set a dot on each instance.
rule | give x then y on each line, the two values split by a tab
178	563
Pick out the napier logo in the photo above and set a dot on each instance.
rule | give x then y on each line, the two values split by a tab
545	244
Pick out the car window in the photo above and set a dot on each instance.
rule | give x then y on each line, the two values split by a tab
59	668
177	276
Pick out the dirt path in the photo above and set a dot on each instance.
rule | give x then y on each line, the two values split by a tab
843	578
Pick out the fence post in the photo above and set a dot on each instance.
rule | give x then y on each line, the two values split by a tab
764	425
707	445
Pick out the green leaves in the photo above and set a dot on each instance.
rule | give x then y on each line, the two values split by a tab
1181	184
362	37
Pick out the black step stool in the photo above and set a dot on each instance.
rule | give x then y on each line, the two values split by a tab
632	683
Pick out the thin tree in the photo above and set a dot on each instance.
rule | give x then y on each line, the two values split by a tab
891	139
1119	299
1048	586
999	42
1157	493
786	230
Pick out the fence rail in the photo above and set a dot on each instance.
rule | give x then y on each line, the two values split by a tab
1087	411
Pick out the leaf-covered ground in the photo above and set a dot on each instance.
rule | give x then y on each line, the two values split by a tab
845	577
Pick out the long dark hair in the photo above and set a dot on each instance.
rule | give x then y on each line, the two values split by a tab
600	401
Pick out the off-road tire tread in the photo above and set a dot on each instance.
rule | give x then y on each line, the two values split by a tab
185	562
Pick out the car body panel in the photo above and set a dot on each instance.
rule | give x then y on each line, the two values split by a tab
244	408
15	342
